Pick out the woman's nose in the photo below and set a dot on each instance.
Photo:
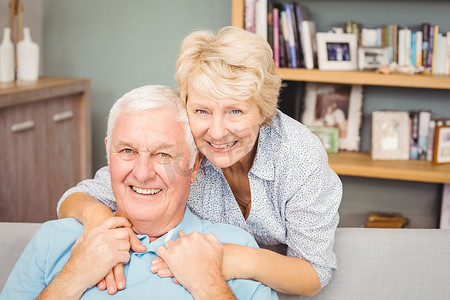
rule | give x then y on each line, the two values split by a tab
217	128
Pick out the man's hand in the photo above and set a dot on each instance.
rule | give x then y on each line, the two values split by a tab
92	256
115	279
196	262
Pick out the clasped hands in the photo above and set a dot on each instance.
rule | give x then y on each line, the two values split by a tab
193	260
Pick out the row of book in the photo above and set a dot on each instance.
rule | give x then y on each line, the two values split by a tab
289	30
423	46
285	26
423	133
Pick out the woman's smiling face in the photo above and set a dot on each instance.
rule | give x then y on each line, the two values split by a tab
225	130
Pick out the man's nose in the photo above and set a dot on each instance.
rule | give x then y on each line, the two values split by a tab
144	167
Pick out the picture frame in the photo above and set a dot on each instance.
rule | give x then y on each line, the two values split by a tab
390	135
329	136
337	51
371	58
441	154
335	105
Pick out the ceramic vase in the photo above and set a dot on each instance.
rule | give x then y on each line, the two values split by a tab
27	58
7	73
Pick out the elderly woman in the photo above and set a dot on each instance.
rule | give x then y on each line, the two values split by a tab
261	171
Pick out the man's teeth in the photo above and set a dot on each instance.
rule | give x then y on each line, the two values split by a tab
146	191
225	146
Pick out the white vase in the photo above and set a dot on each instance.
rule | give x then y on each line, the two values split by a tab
7	73
27	58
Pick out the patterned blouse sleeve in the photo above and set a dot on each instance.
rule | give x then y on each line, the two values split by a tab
99	188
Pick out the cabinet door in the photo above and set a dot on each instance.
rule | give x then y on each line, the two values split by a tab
23	169
63	147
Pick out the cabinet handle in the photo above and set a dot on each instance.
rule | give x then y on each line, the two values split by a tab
22	126
66	115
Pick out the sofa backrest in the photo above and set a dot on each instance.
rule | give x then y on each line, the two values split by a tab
372	263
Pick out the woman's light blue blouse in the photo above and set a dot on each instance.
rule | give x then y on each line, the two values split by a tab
295	194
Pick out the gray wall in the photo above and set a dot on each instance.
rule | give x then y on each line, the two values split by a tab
120	45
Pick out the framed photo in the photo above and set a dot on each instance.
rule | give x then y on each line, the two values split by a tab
329	136
335	105
370	58
442	145
337	51
390	135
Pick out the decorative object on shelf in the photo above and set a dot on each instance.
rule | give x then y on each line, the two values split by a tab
390	135
329	136
371	58
7	72
27	58
386	220
337	51
335	105
442	145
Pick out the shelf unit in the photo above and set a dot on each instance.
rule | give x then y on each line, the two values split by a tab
360	163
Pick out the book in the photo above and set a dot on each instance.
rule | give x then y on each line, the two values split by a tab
412	52
386	220
414	139
404	47
425	42
430	47
276	38
431	137
435	49
270	23
285	35
308	28
290	25
424	127
249	16
419	48
301	13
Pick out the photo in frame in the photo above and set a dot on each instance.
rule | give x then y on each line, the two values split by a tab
442	145
329	136
337	51
390	135
371	58
335	105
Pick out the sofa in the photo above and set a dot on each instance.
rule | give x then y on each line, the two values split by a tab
372	263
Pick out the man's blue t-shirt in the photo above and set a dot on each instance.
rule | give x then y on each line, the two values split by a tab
49	250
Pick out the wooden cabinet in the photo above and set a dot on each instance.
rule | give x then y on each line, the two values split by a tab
45	137
359	163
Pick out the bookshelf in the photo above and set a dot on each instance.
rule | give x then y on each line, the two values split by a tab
360	164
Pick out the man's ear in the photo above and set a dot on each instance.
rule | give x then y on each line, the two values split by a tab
106	143
196	166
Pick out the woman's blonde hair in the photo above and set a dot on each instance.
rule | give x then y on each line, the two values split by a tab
233	64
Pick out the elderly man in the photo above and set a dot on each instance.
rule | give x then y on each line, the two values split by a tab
152	160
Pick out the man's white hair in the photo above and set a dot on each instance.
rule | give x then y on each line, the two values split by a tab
147	98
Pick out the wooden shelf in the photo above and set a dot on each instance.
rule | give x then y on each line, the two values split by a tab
366	78
361	164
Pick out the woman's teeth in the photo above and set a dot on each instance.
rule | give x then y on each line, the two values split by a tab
224	146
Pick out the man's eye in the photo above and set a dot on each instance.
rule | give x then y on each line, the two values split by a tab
127	151
201	112
162	158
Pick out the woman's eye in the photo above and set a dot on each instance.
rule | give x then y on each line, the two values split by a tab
236	111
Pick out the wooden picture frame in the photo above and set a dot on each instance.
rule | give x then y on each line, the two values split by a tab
390	135
371	58
329	136
337	51
441	154
335	105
